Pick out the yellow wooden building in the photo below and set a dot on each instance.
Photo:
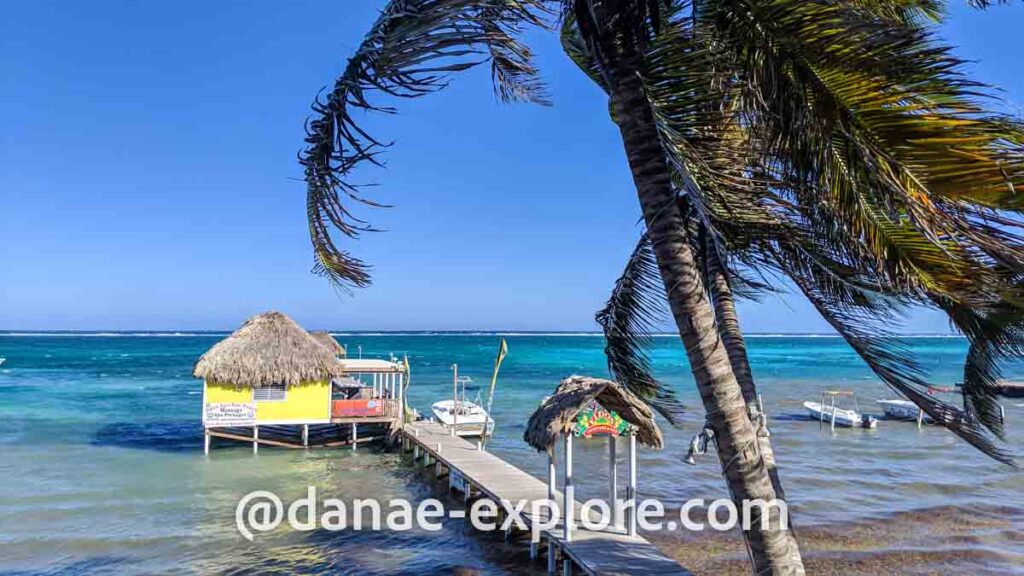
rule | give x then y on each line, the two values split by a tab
272	373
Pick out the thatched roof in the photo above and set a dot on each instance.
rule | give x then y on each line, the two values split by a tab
270	348
325	339
556	415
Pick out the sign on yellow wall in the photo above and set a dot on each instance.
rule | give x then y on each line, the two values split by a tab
218	414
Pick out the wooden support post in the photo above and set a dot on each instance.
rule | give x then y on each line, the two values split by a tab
401	400
305	435
920	418
206	441
551	556
533	550
568	490
415	452
551	475
631	489
255	439
613	481
355	435
566	566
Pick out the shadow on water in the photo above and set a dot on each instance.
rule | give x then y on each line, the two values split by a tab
96	564
794	417
159	436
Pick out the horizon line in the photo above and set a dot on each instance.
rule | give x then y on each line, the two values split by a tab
510	333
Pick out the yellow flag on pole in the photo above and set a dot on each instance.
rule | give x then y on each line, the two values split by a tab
502	352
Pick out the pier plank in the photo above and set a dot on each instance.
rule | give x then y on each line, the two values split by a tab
595	552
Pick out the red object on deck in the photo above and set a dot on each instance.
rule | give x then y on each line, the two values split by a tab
357	407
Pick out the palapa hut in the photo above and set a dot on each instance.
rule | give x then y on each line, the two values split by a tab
325	339
268	372
584	407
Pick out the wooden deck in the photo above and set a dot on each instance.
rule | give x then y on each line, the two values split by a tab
591	552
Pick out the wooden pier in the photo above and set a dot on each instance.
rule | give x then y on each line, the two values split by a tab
590	552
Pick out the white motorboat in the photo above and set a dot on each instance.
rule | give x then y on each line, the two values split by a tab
901	410
2	360
829	411
466	418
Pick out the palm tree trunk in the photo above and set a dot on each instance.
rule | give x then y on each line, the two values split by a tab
736	348
772	550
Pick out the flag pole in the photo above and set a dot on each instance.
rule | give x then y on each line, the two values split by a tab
502	351
455	400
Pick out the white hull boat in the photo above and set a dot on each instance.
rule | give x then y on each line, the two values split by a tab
843	417
467	418
901	410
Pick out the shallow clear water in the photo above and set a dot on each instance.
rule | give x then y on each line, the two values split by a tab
102	467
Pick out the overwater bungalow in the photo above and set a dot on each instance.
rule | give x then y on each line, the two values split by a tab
271	373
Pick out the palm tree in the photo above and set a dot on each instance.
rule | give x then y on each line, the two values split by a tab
834	143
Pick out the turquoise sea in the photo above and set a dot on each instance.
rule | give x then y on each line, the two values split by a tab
102	469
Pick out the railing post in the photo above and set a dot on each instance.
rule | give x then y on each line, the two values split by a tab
613	481
552	475
631	489
568	490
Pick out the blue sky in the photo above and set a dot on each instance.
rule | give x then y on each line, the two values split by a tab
148	177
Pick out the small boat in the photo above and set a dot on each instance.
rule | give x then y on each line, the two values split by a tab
829	411
466	418
2	360
458	414
1010	389
902	410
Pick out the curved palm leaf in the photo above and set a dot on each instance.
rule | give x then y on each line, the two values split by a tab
410	51
636	307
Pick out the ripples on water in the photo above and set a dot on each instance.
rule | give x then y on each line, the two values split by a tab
103	471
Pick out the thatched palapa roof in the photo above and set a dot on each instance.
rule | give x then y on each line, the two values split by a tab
556	415
325	339
270	348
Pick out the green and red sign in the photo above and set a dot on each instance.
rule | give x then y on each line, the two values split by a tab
596	421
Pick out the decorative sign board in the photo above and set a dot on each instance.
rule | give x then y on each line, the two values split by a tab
356	407
223	414
596	421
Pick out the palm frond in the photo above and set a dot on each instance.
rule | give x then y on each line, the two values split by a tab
636	307
862	323
996	334
410	51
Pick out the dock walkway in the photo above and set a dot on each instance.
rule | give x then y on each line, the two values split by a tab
592	552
